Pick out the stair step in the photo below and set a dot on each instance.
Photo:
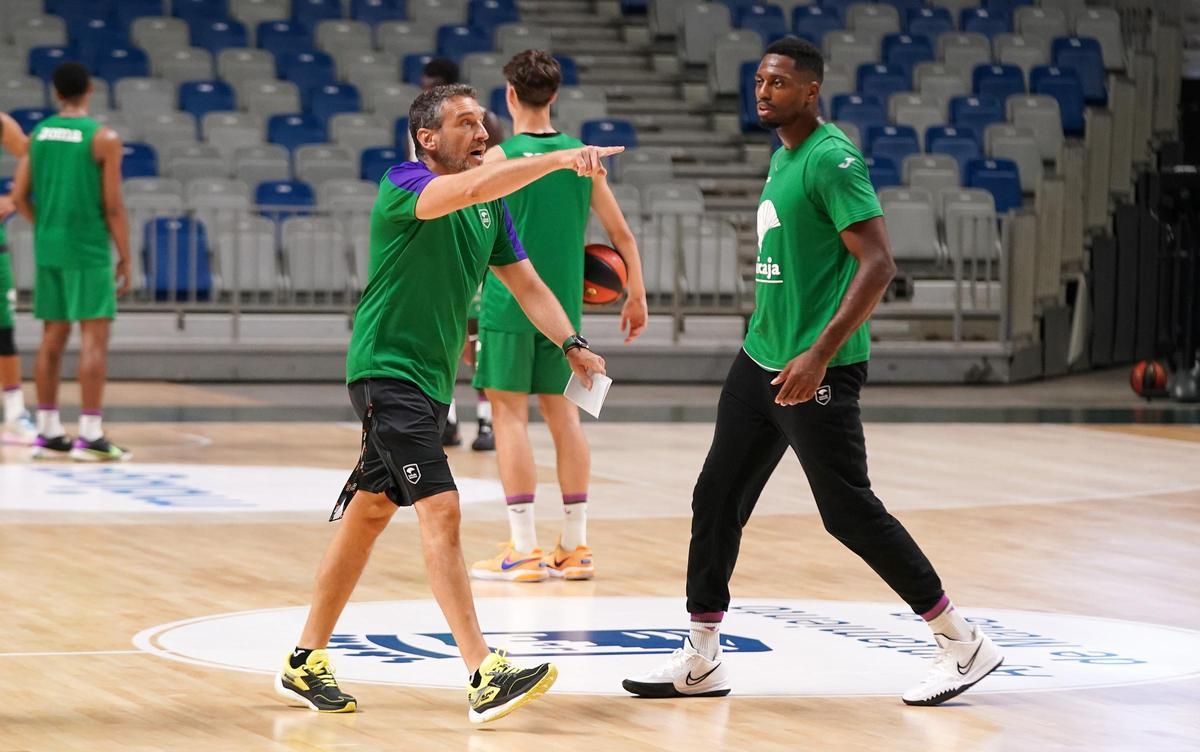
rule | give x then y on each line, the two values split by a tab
617	48
685	138
624	107
544	7
623	90
722	171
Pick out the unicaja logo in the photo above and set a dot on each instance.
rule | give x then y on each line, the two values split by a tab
485	217
767	271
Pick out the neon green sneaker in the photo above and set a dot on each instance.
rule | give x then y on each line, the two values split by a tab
313	685
499	687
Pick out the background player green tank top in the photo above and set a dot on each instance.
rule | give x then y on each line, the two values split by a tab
69	227
550	216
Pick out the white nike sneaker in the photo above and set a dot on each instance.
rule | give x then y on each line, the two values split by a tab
686	674
958	667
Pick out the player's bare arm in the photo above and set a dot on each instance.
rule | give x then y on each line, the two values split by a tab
15	141
546	313
108	152
22	190
634	313
867	241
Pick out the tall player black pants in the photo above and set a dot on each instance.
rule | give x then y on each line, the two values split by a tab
826	434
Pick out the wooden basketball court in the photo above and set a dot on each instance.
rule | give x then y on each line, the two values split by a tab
1097	521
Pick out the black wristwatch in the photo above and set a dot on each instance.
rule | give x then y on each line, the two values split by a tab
573	342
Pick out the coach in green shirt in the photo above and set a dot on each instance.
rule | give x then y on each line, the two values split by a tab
823	264
437	225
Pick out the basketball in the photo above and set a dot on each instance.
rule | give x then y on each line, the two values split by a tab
604	274
1149	378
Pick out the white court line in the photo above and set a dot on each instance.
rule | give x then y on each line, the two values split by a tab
71	652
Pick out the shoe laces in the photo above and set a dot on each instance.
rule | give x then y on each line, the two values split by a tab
503	671
322	671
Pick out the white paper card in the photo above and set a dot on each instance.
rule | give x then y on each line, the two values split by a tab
590	400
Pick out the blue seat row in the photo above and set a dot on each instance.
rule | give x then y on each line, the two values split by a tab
1000	177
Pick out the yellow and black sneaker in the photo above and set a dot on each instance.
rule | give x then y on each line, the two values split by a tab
499	687
313	685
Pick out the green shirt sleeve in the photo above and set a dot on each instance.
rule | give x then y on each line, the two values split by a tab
508	248
843	187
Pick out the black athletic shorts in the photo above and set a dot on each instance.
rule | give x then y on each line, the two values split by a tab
402	453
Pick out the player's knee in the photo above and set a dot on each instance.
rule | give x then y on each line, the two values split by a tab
441	515
8	342
848	528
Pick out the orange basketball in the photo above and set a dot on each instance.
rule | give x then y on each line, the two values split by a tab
604	274
1148	378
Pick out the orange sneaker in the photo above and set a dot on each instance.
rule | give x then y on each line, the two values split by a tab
570	565
512	565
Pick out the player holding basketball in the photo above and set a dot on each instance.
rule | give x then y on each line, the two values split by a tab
436	227
74	170
823	265
514	360
18	429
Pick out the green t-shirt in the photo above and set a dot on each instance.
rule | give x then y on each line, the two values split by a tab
551	216
813	192
411	322
69	230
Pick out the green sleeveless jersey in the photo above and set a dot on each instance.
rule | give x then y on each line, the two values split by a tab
69	230
551	216
814	190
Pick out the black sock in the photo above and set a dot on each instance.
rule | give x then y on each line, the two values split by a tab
299	656
476	678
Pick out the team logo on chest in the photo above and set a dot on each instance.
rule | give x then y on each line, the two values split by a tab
485	217
766	270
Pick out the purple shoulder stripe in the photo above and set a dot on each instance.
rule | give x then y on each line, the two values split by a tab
512	233
410	176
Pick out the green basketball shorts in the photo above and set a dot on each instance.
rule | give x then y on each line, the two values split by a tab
525	362
74	294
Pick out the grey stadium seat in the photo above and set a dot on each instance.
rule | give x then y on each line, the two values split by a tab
349	202
221	204
17	11
851	131
189	64
239	65
932	172
355	132
1026	54
254	12
642	172
911	221
435	13
21	91
267	98
39	31
511	38
939	80
20	246
702	24
577	104
1018	143
10	65
851	50
955	7
402	38
710	258
256	164
730	50
1041	23
246	257
1040	114
349	194
918	110
159	32
484	71
364	68
188	162
969	218
388	100
128	128
217	192
317	163
144	96
316	254
1104	25
147	199
962	51
875	18
168	128
229	131
838	80
675	197
101	96
335	35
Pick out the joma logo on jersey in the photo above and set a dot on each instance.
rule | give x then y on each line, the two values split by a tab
485	217
584	642
69	135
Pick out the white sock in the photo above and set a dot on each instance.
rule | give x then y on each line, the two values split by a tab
14	404
520	522
706	638
574	532
484	411
49	424
89	427
951	624
452	416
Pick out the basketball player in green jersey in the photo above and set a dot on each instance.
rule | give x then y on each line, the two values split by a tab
18	429
514	360
69	187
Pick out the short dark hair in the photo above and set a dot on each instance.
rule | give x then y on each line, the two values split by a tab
71	80
426	110
804	53
443	69
535	75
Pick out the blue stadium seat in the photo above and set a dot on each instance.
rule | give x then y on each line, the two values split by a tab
956	142
1083	54
280	199
281	37
216	34
497	102
1000	177
330	99
127	10
736	7
5	186
296	130
92	36
814	21
312	12
883	173
376	161
122	62
928	22
882	81
864	112
1005	6
175	252
198	9
75	10
906	50
400	129
609	132
985	22
747	109
378	11
412	65
767	20
905	6
29	117
893	142
998	81
976	113
308	69
634	7
1064	85
43	60
203	97
454	41
138	161
838	6
486	15
570	71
